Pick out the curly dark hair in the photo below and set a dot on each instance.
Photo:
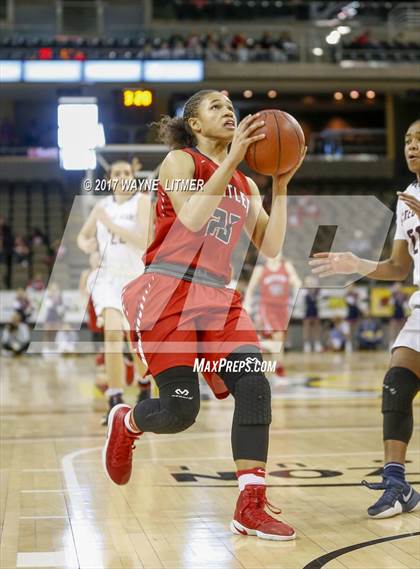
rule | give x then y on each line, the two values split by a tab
175	131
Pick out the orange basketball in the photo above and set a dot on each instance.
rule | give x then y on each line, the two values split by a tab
282	147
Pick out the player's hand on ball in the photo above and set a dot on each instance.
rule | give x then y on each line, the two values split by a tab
280	181
412	202
327	264
243	137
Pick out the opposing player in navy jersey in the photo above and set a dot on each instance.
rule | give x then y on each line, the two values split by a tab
401	382
181	309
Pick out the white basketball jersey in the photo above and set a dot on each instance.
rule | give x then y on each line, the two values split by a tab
118	257
408	229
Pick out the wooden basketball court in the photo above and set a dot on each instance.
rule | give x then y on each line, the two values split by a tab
58	509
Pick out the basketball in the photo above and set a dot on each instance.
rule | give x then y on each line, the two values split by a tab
194	198
282	147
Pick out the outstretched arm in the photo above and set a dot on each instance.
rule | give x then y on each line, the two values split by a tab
396	268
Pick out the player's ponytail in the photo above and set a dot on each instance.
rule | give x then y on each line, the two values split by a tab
175	131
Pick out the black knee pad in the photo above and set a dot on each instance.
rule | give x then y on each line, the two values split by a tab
239	363
253	400
179	394
400	387
177	406
249	386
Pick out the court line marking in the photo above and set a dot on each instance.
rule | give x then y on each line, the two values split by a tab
213	458
179	437
71	482
43	517
271	457
49	491
40	470
70	477
46	559
319	562
319	485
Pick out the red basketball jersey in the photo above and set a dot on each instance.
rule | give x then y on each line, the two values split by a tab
275	285
211	247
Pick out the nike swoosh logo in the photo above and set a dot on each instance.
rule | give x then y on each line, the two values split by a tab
406	498
242	531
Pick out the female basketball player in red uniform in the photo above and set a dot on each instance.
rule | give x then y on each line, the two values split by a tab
401	382
180	307
274	280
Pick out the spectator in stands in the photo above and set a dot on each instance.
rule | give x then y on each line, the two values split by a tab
33	133
369	333
58	250
353	314
362	40
312	329
54	305
36	284
16	337
37	237
7	133
162	51
194	47
65	340
21	251
276	53
54	314
22	305
286	43
338	335
241	49
212	51
398	302
6	248
179	50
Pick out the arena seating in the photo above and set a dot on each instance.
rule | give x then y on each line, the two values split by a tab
279	47
30	209
395	52
212	47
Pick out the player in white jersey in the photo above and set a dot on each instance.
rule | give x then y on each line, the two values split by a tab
118	227
401	382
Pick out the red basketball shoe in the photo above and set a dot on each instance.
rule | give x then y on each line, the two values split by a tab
280	370
250	517
117	454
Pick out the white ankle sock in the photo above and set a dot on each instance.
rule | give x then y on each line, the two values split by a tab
251	476
128	424
111	391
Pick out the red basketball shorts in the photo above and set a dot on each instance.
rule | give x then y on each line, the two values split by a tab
274	317
93	327
173	322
